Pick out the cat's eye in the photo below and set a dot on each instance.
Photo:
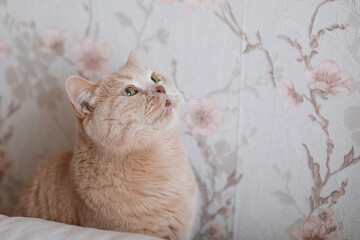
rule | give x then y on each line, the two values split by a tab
130	91
154	78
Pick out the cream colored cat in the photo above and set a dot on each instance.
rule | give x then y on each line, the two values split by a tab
128	170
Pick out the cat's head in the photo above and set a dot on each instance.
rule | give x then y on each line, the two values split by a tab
126	108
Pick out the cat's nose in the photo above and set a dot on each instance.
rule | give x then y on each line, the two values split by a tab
160	89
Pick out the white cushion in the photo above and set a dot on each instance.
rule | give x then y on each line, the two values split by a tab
13	228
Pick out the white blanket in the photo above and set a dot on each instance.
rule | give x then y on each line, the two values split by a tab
13	228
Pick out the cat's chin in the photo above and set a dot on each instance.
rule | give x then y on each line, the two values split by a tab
165	118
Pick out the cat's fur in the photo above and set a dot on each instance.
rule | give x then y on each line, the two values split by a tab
128	170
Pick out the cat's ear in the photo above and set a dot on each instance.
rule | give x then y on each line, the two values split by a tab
131	60
79	91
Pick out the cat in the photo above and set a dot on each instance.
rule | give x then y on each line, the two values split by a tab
128	170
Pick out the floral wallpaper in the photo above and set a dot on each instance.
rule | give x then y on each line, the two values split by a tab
271	121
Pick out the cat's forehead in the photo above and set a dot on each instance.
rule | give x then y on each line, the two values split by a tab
134	75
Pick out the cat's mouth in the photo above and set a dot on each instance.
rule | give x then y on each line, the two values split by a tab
166	110
167	104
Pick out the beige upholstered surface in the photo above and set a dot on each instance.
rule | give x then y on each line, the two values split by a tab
13	228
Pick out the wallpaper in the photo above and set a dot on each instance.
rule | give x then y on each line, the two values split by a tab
271	121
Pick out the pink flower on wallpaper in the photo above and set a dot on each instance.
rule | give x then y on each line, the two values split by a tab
292	98
54	39
93	57
328	218
203	117
3	49
208	5
327	77
215	230
4	163
313	229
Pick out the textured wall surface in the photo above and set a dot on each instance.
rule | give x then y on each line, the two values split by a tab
276	140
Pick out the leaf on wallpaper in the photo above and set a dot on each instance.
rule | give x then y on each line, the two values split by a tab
355	137
284	198
352	118
26	65
43	67
51	80
355	86
45	57
354	18
4	140
287	175
39	86
222	147
244	140
251	90
13	108
236	71
316	175
348	158
276	169
250	47
3	3
228	162
124	20
20	45
96	32
355	47
324	200
50	98
145	48
9	21
313	53
233	179
293	43
11	76
162	35
19	91
147	10
25	37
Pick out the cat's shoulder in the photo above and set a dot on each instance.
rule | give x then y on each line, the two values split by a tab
61	155
58	158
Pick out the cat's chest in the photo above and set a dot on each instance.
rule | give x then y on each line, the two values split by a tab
139	176
127	191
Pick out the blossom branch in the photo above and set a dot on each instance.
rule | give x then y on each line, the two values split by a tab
60	54
315	199
226	89
58	51
232	23
315	38
12	109
209	198
315	14
89	9
147	11
295	44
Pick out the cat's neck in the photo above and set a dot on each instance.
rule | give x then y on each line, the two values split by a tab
86	148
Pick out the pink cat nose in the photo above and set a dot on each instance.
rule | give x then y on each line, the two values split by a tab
160	89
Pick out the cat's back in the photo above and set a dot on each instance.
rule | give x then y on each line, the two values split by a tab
49	190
